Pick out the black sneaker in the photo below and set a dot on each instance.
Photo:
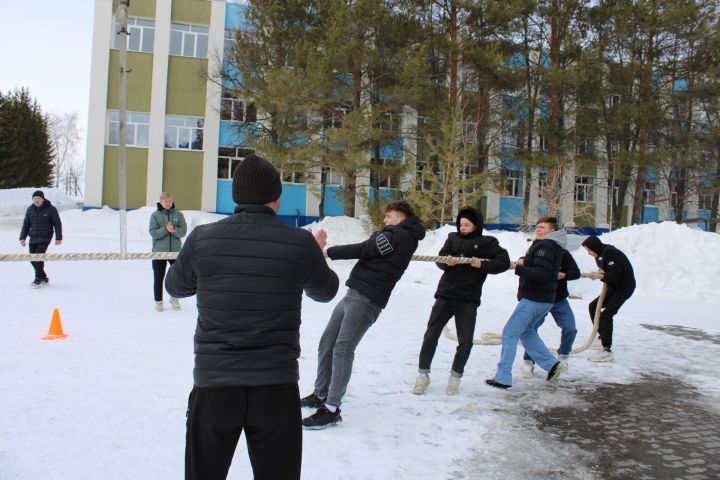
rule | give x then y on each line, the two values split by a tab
554	372
494	383
312	401
37	283
45	281
322	418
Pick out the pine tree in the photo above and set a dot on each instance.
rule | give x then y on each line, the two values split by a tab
26	152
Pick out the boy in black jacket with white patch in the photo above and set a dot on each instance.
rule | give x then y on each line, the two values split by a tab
382	259
458	294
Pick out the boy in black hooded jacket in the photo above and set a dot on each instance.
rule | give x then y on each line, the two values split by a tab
458	294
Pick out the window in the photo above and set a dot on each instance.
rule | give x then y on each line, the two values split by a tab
542	142
188	40
233	108
137	128
512	182
586	147
584	189
542	184
229	44
385	173
648	197
228	160
141	35
334	178
183	133
292	176
705	199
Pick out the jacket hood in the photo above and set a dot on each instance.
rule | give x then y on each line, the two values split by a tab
594	244
559	237
160	207
474	216
413	226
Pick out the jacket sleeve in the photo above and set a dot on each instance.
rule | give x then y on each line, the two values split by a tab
181	229
569	267
542	269
157	231
25	227
379	244
320	283
56	223
181	280
499	260
444	251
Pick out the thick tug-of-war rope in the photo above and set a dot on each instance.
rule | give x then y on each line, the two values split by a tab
485	338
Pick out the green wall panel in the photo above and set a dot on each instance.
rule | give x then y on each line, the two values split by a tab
139	81
191	11
186	89
136	159
138	8
182	176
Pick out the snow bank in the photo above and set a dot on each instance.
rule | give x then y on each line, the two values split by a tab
14	201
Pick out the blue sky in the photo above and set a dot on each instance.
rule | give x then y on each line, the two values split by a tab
46	46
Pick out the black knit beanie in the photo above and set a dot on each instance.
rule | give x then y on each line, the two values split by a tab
594	244
38	193
256	181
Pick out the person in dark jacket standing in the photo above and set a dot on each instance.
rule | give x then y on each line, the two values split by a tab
458	294
382	260
538	271
562	314
41	221
167	228
617	273
249	272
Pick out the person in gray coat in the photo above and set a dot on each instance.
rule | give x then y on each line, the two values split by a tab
167	227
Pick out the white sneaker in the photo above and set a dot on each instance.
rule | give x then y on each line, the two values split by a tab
597	344
421	383
453	387
563	359
174	303
601	356
159	306
528	368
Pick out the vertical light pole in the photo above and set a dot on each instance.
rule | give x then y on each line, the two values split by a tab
122	164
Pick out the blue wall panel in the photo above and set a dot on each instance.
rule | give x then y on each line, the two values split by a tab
386	194
293	199
511	209
231	134
235	17
650	214
333	202
223	200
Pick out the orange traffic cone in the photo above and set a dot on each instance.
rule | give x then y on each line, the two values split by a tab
56	331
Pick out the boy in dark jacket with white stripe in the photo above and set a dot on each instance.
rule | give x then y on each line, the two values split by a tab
458	294
41	220
617	272
382	259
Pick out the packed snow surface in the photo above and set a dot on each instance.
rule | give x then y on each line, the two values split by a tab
109	401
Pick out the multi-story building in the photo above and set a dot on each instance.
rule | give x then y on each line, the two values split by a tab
183	133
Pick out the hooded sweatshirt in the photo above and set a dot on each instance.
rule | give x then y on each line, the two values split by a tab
619	273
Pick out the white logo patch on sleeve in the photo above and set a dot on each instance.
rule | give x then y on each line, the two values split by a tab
611	263
383	244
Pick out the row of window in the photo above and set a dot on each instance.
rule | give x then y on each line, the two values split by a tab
185	40
181	133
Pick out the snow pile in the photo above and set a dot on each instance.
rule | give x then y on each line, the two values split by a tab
341	230
15	201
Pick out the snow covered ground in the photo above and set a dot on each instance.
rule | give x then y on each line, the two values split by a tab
109	401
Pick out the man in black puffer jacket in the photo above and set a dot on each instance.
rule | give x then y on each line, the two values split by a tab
248	272
382	260
41	220
458	294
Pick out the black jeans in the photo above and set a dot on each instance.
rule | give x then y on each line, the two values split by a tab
159	267
465	314
270	416
39	266
614	299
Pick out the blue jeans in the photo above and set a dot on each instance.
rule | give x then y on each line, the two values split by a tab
348	323
565	319
522	326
